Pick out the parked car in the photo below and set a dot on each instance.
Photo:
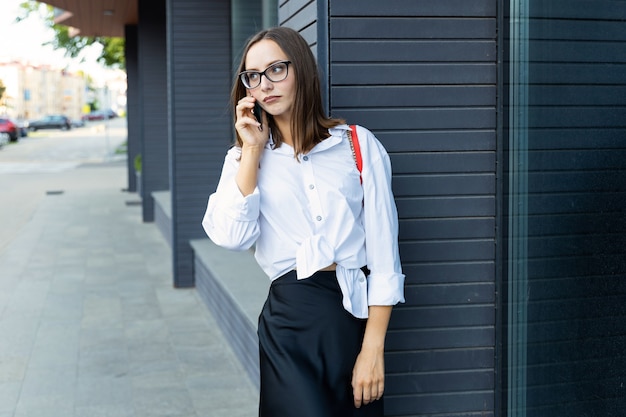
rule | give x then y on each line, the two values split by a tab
54	121
22	127
7	126
100	115
78	123
93	115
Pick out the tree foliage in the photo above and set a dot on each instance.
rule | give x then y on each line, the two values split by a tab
112	54
2	90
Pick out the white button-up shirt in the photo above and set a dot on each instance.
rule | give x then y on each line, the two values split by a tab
312	212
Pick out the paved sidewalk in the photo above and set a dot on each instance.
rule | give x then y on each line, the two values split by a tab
90	325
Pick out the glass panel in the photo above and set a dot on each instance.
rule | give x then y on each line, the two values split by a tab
518	210
565	208
247	18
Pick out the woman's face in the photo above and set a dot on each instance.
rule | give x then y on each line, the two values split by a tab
276	98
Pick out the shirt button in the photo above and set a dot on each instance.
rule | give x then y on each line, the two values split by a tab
361	279
306	158
311	186
319	218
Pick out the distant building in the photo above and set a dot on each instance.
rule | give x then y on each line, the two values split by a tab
33	91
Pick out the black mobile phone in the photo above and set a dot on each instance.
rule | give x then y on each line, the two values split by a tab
257	112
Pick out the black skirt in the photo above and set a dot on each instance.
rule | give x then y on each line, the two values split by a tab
308	344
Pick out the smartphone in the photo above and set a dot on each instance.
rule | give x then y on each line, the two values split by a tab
257	113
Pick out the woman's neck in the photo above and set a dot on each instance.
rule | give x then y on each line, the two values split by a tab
284	125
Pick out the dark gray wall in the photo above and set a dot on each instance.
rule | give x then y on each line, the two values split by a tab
132	102
153	116
422	76
300	15
575	173
199	61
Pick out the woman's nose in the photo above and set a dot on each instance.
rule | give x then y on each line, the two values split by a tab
266	84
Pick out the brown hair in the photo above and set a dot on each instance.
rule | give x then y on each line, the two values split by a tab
309	124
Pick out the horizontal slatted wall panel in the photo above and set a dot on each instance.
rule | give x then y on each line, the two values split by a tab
300	15
200	79
422	76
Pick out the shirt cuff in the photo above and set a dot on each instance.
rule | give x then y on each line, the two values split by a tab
385	289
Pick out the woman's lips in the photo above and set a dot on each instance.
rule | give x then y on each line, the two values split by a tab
270	99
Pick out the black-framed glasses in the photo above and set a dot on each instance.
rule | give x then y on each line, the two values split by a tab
275	72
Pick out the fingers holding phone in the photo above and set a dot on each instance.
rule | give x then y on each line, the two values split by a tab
250	122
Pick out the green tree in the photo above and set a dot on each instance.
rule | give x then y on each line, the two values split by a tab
112	54
2	90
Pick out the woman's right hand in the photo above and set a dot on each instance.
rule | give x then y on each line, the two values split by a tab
252	132
254	140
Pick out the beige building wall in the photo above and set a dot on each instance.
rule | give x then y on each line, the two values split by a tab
35	91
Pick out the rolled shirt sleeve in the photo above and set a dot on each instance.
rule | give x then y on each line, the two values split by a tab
231	220
380	219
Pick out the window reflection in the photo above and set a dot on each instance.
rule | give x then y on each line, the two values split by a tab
565	193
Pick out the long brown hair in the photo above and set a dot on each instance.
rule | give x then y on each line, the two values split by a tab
309	124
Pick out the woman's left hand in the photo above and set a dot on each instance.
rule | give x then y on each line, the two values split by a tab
368	376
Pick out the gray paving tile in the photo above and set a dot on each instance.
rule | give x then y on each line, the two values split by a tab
143	332
226	392
202	361
102	337
48	382
243	410
51	409
224	399
90	324
113	410
17	336
153	352
151	368
158	380
103	362
47	389
168	402
103	391
53	357
9	394
13	368
140	310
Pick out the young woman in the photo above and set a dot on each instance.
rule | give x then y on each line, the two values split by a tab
290	186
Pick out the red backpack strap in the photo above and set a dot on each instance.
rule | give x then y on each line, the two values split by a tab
356	149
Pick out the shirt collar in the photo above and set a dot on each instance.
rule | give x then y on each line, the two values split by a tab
336	136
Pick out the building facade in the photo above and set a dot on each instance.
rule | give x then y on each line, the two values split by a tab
34	91
506	126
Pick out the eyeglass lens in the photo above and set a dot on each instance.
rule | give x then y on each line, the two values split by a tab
276	72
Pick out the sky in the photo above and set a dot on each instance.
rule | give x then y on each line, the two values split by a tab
24	41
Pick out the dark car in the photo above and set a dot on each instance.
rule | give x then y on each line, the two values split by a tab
7	126
55	121
78	123
93	115
22	127
99	115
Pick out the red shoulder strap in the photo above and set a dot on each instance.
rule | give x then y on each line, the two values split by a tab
357	149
